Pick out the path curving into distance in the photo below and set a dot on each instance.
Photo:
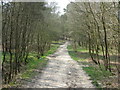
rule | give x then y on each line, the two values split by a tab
61	72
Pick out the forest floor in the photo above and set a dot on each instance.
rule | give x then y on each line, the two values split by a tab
61	72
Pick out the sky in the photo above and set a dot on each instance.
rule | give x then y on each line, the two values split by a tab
61	4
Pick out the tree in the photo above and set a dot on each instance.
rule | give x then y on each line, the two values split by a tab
93	25
26	29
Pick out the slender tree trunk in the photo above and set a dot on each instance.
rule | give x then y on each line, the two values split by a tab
91	55
119	43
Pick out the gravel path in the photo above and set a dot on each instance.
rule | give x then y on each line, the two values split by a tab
61	72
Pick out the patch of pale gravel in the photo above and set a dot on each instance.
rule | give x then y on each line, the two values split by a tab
61	72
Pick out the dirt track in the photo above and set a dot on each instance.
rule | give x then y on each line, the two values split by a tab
61	72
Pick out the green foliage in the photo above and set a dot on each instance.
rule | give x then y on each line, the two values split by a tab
92	32
96	74
52	50
83	53
72	53
80	55
34	63
28	36
79	49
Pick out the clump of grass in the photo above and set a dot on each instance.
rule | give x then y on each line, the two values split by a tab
58	42
34	62
96	74
52	49
77	55
72	53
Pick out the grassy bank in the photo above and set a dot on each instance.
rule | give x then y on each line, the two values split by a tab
31	69
98	75
82	56
83	52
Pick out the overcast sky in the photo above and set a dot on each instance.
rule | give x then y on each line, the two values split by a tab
61	4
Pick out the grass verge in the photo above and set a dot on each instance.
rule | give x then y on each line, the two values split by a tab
96	74
30	70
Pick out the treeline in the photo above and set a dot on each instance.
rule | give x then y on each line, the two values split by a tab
96	27
26	27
